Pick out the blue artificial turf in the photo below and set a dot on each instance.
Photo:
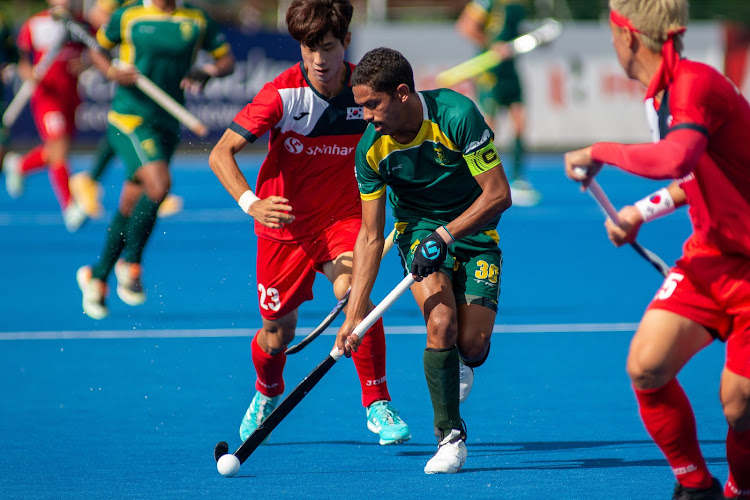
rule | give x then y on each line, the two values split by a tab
132	406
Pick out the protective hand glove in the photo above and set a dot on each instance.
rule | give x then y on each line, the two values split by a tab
196	80
429	255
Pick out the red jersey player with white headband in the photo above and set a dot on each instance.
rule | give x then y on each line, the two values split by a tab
700	123
306	204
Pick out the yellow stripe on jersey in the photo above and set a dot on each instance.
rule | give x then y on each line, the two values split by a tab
221	51
103	40
125	123
151	13
493	234
373	196
385	145
482	160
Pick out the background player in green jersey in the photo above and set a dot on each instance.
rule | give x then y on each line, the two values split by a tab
489	24
160	39
85	186
448	189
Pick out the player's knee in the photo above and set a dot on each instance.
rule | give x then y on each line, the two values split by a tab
276	338
442	329
475	354
737	412
645	376
157	191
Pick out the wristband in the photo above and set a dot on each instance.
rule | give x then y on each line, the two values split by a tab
246	199
655	205
453	240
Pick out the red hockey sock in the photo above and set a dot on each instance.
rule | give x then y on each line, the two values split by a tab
269	370
369	361
58	177
738	457
33	160
669	419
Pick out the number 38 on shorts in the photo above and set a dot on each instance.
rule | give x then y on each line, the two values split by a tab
474	263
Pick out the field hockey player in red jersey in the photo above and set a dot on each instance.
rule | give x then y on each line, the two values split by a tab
699	122
306	204
53	62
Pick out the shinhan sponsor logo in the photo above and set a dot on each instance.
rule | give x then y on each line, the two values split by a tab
329	150
294	145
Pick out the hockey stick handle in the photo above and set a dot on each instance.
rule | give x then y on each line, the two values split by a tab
378	311
143	83
21	98
171	106
18	103
338	308
303	388
487	60
601	198
596	191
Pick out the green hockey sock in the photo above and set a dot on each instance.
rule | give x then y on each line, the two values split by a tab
141	223
113	245
442	374
518	154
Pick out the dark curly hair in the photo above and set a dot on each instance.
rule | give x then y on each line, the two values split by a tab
383	70
309	21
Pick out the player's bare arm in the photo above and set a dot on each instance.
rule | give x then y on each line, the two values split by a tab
25	67
631	218
494	200
471	26
97	16
273	211
367	252
125	75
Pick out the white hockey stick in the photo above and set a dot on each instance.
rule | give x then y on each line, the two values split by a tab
596	192
477	65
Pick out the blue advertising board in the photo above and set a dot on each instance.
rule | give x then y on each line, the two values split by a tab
261	56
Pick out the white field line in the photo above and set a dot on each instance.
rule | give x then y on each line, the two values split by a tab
54	218
301	332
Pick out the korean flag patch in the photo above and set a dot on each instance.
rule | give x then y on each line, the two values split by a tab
354	113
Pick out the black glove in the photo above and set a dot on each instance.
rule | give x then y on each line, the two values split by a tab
429	255
198	76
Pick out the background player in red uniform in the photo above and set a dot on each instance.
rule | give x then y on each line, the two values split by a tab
307	210
53	105
700	123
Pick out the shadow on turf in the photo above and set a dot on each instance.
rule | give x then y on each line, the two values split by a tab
587	463
487	449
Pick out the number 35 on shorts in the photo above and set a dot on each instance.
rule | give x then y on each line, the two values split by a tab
669	286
